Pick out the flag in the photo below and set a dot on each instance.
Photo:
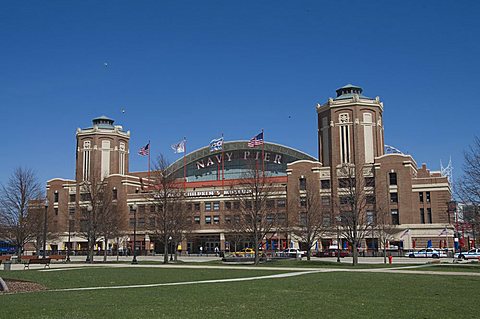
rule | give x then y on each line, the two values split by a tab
256	140
179	147
144	151
444	232
216	144
405	232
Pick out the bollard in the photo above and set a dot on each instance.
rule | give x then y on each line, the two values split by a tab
390	260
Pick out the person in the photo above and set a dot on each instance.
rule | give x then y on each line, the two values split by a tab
216	251
201	250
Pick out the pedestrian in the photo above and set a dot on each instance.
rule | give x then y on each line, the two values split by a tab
216	251
201	250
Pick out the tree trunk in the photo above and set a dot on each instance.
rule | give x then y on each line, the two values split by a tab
309	252
105	250
165	249
355	253
384	253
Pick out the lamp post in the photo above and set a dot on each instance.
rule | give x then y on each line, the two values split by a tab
171	248
69	242
134	260
45	228
89	237
338	220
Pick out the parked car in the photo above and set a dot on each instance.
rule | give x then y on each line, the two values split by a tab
292	253
332	253
471	254
245	252
426	253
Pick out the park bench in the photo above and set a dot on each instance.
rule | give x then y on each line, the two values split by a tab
35	260
58	257
4	258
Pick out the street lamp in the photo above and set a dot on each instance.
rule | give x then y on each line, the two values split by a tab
134	207
69	242
171	248
338	219
89	237
45	228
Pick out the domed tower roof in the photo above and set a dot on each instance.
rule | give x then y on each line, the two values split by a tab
103	122
348	91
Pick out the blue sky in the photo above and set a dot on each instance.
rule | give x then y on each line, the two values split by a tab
202	68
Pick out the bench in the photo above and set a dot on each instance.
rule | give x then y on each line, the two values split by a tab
4	258
58	257
38	261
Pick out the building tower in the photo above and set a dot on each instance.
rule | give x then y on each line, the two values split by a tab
102	150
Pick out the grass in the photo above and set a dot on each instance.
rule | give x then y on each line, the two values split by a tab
325	295
453	267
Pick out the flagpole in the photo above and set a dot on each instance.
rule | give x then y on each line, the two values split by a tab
184	163
223	163
149	151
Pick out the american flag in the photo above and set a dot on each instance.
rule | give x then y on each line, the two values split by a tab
144	151
407	231
444	232
256	140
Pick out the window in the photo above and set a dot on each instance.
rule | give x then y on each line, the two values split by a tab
370	199
395	218
132	209
344	200
196	206
326	200
71	210
302	219
55	197
369	181
236	219
216	219
303	183
420	197
83	225
141	209
370	218
236	205
228	219
114	194
427	196
394	197
151	222
326	221
281	203
208	220
141	222
189	206
72	198
281	217
216	205
303	202
56	211
270	203
85	197
71	225
248	204
422	215
325	184
208	206
393	178
132	222
196	220
228	205
152	208
270	218
429	215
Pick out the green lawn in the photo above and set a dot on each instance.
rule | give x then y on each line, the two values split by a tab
318	295
453	267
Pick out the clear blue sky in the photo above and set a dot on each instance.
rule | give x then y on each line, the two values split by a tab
200	68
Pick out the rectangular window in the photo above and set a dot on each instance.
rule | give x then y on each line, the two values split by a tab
189	206
71	225
248	204
369	181
228	205
344	200
326	200
151	222
236	219
395	217
196	220
208	220
71	210
132	222
114	194
216	205
56	211
393	178
303	219
141	222
282	218
152	208
85	197
141	209
196	206
422	216
370	218
325	184
420	197
55	197
303	202
132	209
216	219
228	219
270	218
427	196
370	199
281	203
429	215
326	221
394	197
83	225
303	184
236	205
270	203
72	198
208	206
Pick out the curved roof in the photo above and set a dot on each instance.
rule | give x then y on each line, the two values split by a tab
193	158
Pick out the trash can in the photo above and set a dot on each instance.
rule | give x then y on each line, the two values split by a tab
7	265
390	259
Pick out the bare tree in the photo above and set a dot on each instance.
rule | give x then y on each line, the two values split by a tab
16	196
111	223
468	189
382	226
255	219
352	206
170	216
99	218
308	224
